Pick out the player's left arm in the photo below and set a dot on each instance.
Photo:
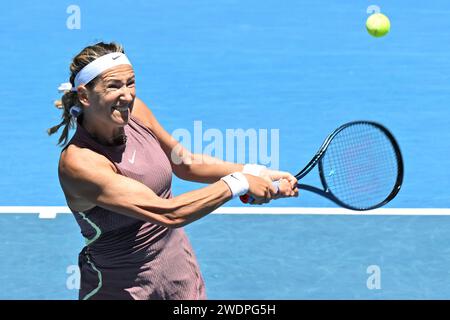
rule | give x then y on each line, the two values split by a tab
185	164
200	167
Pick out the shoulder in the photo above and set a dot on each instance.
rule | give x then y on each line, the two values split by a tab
76	162
145	116
143	113
81	172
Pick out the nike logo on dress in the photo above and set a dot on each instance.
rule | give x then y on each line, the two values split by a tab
132	158
115	57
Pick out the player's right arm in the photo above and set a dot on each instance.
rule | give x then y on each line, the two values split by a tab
89	179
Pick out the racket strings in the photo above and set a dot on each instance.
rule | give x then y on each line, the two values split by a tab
363	184
362	180
360	166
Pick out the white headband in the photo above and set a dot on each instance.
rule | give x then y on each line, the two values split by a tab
99	65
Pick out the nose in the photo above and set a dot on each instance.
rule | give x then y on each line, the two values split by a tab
126	94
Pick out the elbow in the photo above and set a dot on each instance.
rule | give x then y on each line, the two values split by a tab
169	213
172	222
179	216
175	217
181	161
167	220
182	171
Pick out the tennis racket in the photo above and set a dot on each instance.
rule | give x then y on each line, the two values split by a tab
360	166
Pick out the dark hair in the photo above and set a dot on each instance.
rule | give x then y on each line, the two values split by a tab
70	98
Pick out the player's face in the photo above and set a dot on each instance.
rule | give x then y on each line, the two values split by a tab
113	95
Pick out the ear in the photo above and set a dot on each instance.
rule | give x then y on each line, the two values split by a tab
83	96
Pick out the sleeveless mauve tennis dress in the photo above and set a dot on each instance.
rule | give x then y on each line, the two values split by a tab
126	258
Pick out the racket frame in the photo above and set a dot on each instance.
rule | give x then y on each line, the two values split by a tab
317	160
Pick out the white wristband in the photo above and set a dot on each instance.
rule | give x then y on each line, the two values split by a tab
237	183
253	169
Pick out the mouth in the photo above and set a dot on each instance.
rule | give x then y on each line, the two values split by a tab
121	109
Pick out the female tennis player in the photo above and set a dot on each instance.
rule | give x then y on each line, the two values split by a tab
116	174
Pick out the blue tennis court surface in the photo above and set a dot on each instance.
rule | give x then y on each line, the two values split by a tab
300	67
257	256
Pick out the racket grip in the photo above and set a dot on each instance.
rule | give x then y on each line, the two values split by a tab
246	198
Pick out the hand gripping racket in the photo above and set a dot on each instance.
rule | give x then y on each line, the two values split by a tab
360	166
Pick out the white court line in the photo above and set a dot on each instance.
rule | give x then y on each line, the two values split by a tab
50	212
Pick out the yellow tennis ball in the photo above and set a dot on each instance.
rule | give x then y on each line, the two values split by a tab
378	25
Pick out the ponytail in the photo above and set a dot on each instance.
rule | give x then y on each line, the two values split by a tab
70	98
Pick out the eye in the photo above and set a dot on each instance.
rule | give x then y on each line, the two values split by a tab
131	83
113	86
